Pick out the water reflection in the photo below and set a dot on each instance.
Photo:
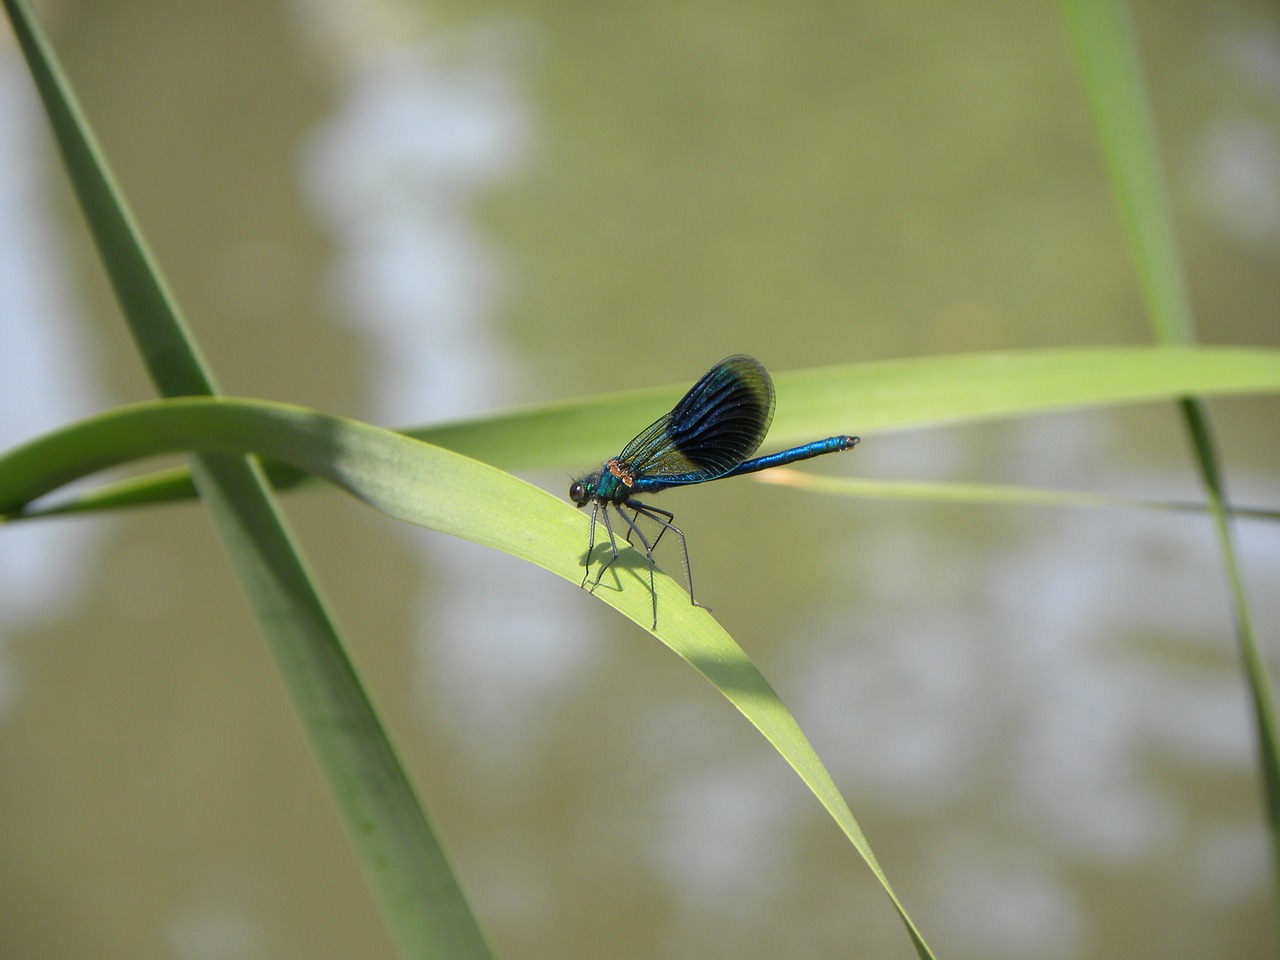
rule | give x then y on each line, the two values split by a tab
1239	162
46	377
1051	717
421	133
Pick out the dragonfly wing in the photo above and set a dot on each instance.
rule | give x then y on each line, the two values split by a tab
717	425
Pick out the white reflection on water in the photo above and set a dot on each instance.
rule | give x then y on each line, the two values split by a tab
1238	167
1003	906
716	824
1240	180
421	132
215	930
46	376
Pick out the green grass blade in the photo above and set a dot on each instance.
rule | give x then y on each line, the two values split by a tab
436	488
1255	664
866	398
1107	50
417	892
989	494
860	398
1103	35
170	355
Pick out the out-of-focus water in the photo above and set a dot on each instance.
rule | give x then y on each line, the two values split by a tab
413	214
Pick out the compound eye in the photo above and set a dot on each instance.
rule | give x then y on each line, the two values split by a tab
578	494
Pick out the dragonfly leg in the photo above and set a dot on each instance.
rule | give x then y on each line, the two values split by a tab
591	546
664	518
603	510
640	508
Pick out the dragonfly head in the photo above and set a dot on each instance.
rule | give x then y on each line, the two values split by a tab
581	491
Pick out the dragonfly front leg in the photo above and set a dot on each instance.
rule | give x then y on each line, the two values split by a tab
601	510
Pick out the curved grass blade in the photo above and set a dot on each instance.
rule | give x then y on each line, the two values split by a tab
1105	45
432	487
865	398
419	897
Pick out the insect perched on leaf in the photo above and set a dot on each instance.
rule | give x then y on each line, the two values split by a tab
708	435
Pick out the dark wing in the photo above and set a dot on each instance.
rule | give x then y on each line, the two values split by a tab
717	425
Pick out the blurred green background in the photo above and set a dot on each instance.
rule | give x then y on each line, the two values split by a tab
407	213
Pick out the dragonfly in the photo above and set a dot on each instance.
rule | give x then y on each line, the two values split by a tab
709	435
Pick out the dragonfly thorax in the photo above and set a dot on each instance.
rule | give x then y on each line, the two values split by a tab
612	484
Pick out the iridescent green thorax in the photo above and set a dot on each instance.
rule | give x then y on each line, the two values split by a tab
611	484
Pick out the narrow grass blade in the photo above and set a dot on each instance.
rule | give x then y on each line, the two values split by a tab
1103	34
432	487
417	892
160	334
866	398
1255	663
981	493
1107	50
859	398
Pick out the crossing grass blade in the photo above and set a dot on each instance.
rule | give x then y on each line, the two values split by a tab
870	397
419	897
1106	48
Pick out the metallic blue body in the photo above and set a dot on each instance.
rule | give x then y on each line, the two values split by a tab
815	448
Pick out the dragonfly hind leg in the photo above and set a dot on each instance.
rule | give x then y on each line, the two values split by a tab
664	518
638	509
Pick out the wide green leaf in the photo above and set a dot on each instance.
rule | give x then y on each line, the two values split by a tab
436	488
